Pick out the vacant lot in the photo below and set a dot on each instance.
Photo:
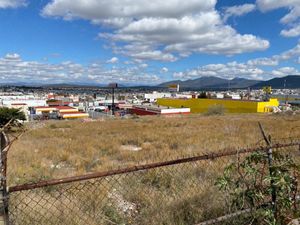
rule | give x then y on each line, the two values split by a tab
63	148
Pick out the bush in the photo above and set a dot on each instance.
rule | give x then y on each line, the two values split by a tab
249	184
215	110
203	95
7	114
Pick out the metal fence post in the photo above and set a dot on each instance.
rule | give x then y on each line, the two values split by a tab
3	186
270	165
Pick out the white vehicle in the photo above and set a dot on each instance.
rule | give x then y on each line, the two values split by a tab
98	108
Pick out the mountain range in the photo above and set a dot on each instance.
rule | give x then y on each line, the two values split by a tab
212	83
202	83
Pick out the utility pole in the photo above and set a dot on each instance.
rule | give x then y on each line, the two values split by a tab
287	94
113	86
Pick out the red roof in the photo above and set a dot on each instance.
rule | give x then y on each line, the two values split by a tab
44	107
64	107
54	107
63	113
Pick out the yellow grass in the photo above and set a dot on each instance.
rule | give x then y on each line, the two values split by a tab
173	195
65	148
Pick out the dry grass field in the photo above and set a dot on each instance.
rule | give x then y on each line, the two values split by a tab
181	194
57	149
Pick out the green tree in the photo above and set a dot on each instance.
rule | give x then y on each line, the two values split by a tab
13	115
203	94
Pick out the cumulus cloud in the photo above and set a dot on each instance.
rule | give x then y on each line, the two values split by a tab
14	69
12	56
291	19
234	69
259	68
289	54
284	71
264	61
275	60
12	3
238	10
229	71
160	30
113	60
164	70
292	32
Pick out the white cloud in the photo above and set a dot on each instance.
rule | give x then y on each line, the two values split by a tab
128	9
160	30
234	69
12	56
238	10
12	3
164	70
264	62
292	53
113	60
291	19
143	65
259	68
14	69
229	71
292	32
284	71
266	5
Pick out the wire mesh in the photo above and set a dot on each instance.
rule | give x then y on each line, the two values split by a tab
183	193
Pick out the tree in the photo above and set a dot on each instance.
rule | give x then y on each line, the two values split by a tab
203	94
10	114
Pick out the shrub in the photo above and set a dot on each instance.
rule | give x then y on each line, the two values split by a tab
252	183
7	114
203	95
215	110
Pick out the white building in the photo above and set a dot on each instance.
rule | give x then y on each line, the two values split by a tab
155	95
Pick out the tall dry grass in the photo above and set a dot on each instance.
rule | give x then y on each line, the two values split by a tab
65	148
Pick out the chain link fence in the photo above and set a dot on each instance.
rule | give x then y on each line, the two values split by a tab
181	191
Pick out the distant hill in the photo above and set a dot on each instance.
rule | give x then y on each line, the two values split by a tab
70	85
211	82
292	81
203	83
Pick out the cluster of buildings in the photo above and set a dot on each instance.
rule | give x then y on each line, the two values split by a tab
40	105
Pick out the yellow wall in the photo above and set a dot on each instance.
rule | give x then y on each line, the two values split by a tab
48	109
74	116
267	106
68	110
231	106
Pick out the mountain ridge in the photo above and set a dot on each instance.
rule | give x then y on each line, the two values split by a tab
211	82
204	83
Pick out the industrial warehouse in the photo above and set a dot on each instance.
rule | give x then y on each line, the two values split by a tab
231	106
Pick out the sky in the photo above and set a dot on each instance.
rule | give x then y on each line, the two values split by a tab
142	42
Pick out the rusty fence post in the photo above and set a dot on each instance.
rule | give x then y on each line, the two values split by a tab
4	220
270	164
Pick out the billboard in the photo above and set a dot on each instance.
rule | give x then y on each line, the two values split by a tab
173	87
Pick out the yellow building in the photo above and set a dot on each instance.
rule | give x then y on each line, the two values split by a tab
231	106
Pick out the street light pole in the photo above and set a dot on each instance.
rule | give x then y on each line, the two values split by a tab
113	101
113	86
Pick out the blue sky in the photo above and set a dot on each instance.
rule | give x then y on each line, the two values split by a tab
147	42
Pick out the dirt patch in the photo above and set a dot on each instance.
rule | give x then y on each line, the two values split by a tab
132	148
